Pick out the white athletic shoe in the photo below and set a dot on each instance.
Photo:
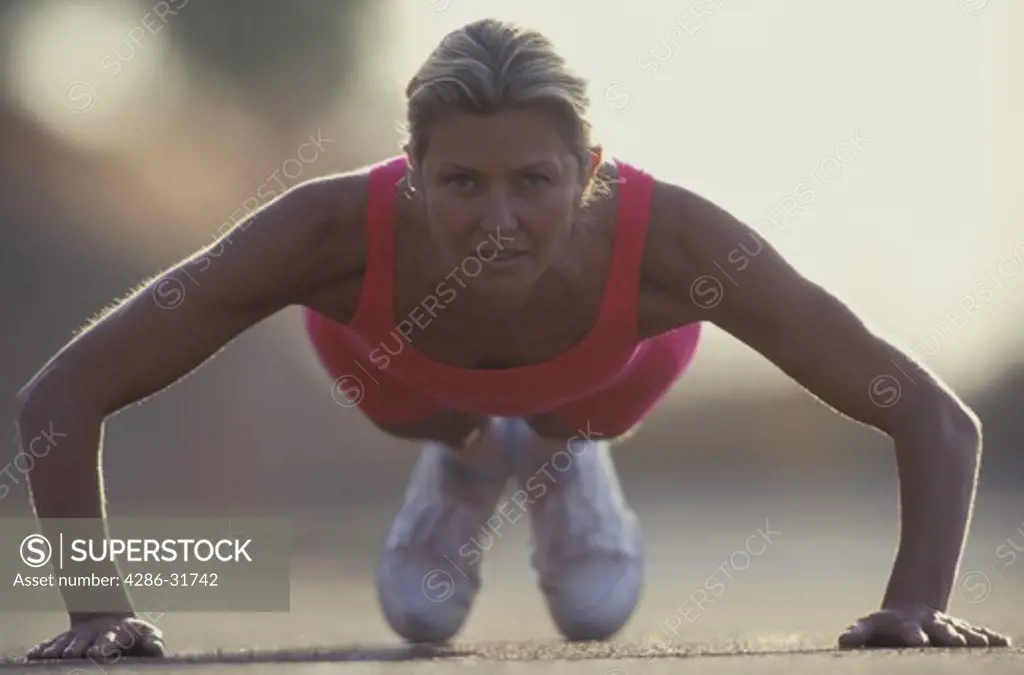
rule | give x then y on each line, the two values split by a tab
588	546
429	570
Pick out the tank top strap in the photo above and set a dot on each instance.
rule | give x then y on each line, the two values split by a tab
635	188
378	281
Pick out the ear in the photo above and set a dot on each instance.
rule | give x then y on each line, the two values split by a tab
596	157
408	179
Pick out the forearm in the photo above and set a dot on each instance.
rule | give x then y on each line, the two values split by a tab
937	463
67	483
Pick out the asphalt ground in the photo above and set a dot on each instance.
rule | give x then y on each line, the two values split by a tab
782	605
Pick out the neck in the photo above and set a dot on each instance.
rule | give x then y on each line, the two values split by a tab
492	302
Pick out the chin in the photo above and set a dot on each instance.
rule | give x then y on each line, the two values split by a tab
507	283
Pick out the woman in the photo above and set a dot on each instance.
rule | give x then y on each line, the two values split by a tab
508	297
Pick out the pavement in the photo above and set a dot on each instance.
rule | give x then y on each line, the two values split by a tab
780	605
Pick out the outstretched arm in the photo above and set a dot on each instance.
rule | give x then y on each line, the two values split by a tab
717	269
285	253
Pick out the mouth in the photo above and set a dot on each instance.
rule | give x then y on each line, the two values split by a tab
504	254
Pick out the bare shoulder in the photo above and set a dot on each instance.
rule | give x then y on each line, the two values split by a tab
701	263
685	227
304	247
690	241
334	210
326	216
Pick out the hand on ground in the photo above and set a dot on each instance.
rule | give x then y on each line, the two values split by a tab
917	627
103	639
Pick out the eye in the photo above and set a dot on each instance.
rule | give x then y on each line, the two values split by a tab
536	179
463	181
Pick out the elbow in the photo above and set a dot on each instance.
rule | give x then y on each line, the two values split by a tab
31	407
48	393
27	399
61	394
50	415
21	400
963	424
31	404
38	388
957	422
944	419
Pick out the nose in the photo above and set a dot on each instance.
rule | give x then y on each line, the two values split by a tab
499	214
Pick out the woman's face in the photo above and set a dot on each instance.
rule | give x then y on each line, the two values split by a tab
502	189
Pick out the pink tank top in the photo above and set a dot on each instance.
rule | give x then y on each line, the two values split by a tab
588	366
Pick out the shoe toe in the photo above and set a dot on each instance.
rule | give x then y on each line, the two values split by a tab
422	599
594	598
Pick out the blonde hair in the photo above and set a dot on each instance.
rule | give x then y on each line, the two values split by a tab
489	66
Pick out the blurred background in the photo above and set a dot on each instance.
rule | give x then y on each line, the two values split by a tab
132	131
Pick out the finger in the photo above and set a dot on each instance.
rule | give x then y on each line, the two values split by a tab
54	649
971	633
37	651
942	634
153	645
126	639
856	636
142	630
139	640
103	647
75	649
137	626
973	637
994	639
